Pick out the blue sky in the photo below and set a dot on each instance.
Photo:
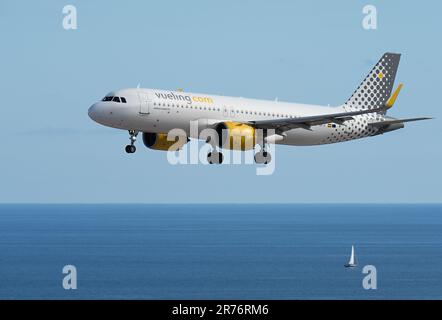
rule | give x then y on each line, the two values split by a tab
311	51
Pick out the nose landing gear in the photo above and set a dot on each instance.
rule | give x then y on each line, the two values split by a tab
130	148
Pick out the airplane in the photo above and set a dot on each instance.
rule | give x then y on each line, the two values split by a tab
155	112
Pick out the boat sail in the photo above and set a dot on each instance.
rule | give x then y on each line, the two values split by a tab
352	262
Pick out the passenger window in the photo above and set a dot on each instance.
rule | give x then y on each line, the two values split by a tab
123	99
116	99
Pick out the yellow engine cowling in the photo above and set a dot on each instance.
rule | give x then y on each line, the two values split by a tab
236	136
158	141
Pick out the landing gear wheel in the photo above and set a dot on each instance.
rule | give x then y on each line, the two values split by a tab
263	157
215	157
130	149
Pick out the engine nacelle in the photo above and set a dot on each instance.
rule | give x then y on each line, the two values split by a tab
158	141
236	136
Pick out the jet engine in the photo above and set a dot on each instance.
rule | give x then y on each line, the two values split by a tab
158	141
236	136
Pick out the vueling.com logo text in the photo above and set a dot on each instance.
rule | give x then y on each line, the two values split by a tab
183	97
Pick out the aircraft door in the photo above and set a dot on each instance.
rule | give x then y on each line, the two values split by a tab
145	103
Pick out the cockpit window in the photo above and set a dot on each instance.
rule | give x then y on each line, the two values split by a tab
114	99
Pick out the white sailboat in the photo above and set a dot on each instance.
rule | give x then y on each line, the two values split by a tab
352	262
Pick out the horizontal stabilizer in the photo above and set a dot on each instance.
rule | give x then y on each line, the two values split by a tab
393	121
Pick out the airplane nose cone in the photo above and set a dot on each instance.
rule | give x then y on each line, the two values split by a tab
92	112
101	113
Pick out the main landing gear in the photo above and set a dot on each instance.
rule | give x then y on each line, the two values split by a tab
130	148
214	156
263	157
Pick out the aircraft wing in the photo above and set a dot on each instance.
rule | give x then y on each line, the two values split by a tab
286	124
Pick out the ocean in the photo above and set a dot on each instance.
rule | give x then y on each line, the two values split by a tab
229	251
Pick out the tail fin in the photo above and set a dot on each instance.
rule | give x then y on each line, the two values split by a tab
376	88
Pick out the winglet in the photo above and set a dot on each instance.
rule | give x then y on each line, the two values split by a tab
393	97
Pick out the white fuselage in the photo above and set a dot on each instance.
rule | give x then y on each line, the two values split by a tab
159	111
